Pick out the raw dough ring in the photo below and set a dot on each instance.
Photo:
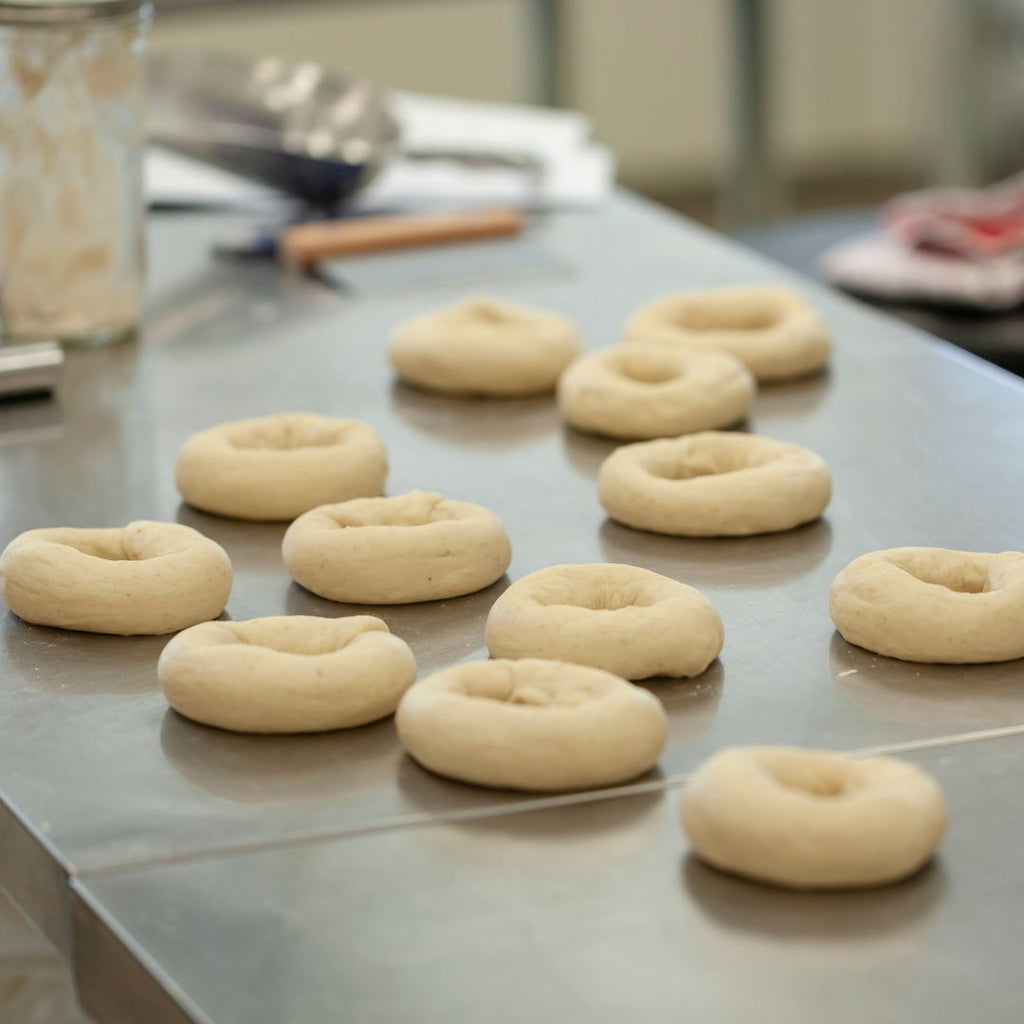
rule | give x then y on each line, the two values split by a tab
411	547
287	673
620	618
534	725
484	347
643	391
808	819
274	468
713	485
144	578
773	331
931	604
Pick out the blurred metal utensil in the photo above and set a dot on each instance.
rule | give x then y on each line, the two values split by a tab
30	369
314	133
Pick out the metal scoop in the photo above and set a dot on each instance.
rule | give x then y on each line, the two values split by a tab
314	133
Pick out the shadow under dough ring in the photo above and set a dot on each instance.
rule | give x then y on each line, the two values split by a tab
398	550
809	819
933	605
483	347
772	331
533	725
286	673
274	468
144	578
714	484
620	618
644	391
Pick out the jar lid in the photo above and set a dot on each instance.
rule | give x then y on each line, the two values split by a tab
51	12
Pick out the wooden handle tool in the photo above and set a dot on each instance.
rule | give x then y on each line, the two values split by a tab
306	244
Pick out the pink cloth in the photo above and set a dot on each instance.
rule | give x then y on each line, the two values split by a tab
958	246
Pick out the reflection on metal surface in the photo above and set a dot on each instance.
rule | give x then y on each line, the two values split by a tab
69	664
540	844
499	423
870	924
691	703
792	398
586	452
745	562
29	422
423	792
471	265
253	547
272	769
949	698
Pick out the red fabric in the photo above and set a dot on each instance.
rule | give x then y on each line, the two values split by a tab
971	223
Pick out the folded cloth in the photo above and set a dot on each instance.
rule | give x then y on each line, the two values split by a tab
948	246
885	267
970	222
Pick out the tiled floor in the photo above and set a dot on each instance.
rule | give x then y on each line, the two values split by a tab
35	985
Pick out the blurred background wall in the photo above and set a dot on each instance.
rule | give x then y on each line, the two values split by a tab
863	95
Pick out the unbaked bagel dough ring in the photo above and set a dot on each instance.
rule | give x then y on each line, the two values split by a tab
286	673
398	550
809	819
933	605
484	347
533	725
274	468
144	578
620	618
772	331
714	484
643	391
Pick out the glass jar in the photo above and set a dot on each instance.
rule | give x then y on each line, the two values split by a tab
71	135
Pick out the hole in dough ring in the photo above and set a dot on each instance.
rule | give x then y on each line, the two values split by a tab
933	605
643	391
620	618
772	331
714	484
484	347
144	578
399	550
287	673
809	819
274	468
533	725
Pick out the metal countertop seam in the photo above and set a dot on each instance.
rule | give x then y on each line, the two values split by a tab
495	811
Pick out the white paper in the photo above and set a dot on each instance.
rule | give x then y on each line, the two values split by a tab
173	179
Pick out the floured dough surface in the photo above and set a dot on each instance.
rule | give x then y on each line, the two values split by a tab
933	604
626	620
772	331
145	578
410	547
642	391
286	674
714	484
274	468
810	819
485	347
535	725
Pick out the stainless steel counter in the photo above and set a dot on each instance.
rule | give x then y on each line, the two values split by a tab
584	914
100	780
